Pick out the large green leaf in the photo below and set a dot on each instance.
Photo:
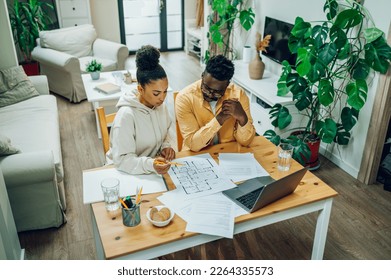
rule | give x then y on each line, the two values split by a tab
357	93
360	69
282	88
326	130
327	53
295	83
332	7
319	33
345	51
342	137
378	55
326	92
294	43
317	71
246	18
272	136
280	116
303	99
303	61
338	37
220	6
301	29
372	34
301	151
348	18
215	34
349	117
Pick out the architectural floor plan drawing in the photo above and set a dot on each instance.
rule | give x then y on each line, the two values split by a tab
198	176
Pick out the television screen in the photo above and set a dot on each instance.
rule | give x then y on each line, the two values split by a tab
278	49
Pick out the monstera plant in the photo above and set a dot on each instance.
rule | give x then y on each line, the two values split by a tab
329	85
225	17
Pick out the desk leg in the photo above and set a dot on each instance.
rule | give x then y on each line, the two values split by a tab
322	225
96	105
98	244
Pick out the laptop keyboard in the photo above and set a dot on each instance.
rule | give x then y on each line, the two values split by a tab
249	199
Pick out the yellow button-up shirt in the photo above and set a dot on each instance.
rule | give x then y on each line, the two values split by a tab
199	125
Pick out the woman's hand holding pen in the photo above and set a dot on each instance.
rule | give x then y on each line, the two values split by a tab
168	153
161	165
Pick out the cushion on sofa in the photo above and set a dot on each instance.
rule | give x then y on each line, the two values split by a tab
15	86
33	126
6	147
76	40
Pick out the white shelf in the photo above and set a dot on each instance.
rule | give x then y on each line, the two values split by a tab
193	38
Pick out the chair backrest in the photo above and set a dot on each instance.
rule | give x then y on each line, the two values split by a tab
179	137
104	122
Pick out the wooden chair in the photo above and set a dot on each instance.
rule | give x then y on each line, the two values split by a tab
104	121
179	137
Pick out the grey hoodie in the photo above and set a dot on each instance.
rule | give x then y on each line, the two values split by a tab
137	135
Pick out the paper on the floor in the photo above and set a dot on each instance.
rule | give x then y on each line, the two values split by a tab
92	191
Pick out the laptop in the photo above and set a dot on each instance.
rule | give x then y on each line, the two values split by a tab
258	192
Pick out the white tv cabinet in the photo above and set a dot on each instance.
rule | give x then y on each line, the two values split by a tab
263	95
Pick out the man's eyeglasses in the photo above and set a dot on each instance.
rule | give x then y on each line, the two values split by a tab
215	92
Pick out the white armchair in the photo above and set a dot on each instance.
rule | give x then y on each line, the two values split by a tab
63	55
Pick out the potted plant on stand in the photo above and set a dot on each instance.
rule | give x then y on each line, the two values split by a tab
329	87
27	19
93	67
222	24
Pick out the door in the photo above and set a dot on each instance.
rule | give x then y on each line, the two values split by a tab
155	22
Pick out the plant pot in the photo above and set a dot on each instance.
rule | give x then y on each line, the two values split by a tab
256	68
95	75
313	142
30	68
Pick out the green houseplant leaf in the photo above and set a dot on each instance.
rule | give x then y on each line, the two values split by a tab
27	19
222	23
335	58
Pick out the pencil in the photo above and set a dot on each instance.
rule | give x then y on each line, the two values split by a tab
138	197
168	162
123	203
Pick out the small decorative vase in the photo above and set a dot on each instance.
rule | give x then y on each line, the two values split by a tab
95	75
256	68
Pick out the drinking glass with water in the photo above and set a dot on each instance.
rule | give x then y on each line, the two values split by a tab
110	189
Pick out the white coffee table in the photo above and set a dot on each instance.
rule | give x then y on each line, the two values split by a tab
99	99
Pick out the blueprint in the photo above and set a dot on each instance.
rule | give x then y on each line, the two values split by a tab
198	176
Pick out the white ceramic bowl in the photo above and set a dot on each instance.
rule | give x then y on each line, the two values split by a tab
160	224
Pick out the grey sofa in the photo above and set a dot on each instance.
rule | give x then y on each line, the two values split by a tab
34	176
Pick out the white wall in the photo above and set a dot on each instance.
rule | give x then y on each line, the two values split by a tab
104	17
7	47
348	158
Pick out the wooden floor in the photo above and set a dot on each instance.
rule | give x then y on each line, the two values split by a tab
360	223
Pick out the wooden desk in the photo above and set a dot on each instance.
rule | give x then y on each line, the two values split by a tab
115	241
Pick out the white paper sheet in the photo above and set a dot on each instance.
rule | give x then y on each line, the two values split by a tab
199	176
92	191
211	216
183	207
240	167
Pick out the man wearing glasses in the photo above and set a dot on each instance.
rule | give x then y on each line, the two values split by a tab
213	110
